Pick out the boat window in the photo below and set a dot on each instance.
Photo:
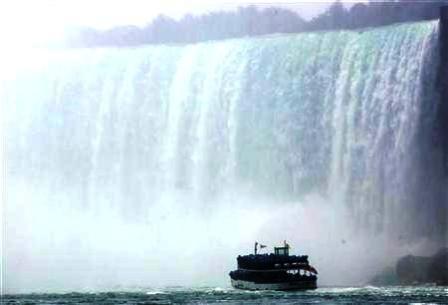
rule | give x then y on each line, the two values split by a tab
281	251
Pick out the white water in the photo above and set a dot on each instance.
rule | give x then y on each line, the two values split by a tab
159	165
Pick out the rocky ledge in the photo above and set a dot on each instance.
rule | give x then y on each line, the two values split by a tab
416	270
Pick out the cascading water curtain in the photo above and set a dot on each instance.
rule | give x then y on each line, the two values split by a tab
346	115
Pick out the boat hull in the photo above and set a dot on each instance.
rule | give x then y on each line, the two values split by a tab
294	285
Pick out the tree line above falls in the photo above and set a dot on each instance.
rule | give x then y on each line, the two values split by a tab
251	21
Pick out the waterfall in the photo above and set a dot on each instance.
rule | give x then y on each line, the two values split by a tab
178	133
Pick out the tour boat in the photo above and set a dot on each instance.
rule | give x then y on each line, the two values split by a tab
274	271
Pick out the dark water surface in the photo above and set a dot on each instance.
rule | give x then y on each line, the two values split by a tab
347	295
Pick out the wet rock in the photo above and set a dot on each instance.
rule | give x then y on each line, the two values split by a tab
438	267
412	269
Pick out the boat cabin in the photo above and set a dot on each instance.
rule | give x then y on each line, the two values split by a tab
282	251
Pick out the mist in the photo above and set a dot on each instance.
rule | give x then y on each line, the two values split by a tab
62	248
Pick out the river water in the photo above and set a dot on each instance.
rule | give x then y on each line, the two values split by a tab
179	295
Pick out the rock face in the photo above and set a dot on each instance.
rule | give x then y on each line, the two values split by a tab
421	270
438	267
412	269
443	78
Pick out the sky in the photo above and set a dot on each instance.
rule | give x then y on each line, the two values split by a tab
25	22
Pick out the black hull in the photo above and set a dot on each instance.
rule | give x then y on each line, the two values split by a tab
285	286
271	280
